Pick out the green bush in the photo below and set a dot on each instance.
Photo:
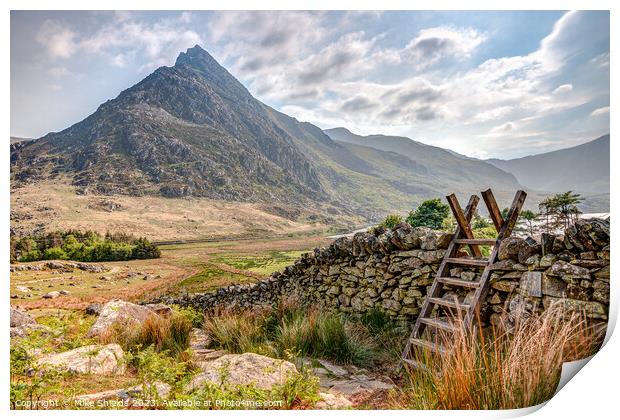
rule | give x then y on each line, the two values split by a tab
54	253
391	221
143	250
153	365
33	255
77	246
430	213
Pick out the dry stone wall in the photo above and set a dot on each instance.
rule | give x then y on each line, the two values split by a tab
392	270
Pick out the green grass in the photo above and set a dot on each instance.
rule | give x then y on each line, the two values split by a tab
211	278
261	264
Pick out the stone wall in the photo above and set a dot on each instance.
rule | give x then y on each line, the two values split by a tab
392	270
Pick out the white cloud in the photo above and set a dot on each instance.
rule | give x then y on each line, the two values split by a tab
601	60
563	89
497	102
60	42
119	60
59	72
125	36
600	111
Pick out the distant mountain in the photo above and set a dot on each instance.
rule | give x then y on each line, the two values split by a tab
583	168
191	129
194	130
18	139
445	166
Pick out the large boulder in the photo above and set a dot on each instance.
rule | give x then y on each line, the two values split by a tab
22	323
93	359
119	311
20	318
244	369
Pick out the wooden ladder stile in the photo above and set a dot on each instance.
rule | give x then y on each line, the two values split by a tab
463	235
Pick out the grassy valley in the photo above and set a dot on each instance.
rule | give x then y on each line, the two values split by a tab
190	268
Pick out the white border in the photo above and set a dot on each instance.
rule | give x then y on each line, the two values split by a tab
591	395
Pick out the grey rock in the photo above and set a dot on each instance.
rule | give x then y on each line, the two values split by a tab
93	359
119	311
509	248
244	369
564	269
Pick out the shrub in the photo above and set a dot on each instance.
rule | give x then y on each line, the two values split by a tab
391	221
143	249
153	365
34	255
54	253
430	214
194	316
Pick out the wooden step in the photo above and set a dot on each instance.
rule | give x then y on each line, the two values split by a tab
455	281
429	345
450	303
486	241
417	365
481	262
437	323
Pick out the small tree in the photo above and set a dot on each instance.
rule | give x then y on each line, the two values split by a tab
430	214
529	216
561	209
391	221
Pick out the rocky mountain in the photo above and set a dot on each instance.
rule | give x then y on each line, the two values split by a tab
194	130
443	165
583	168
190	129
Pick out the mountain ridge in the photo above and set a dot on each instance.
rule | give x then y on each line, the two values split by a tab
193	130
584	168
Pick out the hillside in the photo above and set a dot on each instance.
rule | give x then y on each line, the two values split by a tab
583	168
445	167
193	130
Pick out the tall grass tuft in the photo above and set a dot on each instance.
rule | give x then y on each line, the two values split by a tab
290	327
511	367
163	334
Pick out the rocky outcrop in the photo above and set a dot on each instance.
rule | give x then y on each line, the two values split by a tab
21	323
119	311
391	270
93	359
244	369
60	266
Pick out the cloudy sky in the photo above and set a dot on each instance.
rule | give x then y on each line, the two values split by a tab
485	84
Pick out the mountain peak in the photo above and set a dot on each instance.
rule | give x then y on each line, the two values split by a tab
195	55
